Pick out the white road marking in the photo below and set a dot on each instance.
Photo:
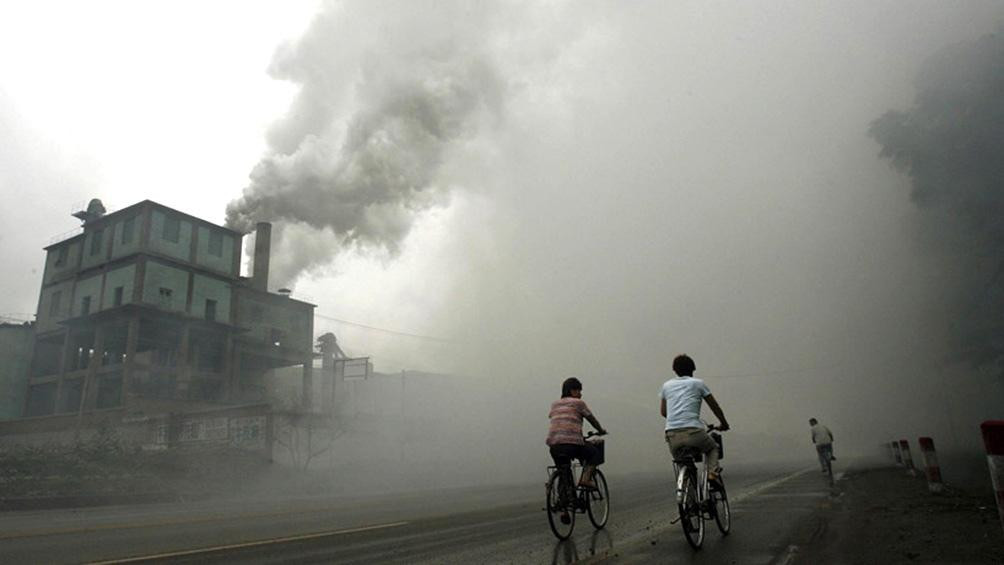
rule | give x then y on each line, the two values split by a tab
771	484
248	544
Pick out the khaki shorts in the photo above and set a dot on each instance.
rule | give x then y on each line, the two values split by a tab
693	437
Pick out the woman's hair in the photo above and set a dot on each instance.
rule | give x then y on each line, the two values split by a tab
570	384
684	365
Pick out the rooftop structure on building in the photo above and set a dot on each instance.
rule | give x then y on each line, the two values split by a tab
145	311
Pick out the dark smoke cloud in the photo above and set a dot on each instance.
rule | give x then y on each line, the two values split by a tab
949	144
359	154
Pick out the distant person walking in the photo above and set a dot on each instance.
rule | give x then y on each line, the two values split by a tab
822	437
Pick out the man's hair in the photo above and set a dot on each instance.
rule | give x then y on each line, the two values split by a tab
684	365
813	421
570	384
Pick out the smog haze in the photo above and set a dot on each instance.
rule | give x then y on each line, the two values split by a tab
512	193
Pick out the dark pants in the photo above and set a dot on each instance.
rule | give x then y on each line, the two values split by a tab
825	452
563	453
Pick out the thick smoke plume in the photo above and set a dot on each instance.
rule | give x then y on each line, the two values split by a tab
949	144
359	154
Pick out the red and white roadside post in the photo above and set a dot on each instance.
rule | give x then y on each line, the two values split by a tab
993	439
896	453
904	446
931	467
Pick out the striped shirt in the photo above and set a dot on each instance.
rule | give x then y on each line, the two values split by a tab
566	421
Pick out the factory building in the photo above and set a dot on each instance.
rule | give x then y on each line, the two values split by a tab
144	311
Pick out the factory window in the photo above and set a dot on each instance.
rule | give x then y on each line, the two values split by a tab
82	348
85	305
41	399
157	345
96	241
172	229
72	393
118	296
48	355
208	351
128	227
61	254
210	309
54	305
109	392
216	244
165	297
114	345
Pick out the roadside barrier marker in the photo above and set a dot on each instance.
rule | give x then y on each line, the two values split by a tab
904	446
993	439
931	467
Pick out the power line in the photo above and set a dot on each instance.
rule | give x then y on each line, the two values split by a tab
385	330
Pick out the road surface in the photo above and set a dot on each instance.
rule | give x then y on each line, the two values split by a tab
485	525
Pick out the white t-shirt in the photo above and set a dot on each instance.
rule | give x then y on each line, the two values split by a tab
821	435
683	397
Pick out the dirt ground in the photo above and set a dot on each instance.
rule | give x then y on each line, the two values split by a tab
885	516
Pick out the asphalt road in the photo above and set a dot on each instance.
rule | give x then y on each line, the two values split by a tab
486	525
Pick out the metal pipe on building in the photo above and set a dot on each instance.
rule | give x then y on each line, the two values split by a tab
262	245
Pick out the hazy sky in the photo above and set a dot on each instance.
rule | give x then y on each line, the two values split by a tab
635	180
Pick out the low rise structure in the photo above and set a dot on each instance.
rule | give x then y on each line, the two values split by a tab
144	312
15	353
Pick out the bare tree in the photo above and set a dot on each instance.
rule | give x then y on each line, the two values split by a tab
305	435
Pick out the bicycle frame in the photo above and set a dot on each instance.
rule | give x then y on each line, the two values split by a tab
700	473
574	470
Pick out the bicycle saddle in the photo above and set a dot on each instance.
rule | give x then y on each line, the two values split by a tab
685	453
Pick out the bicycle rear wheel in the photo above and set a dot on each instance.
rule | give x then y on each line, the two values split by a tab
560	509
598	501
691	517
723	514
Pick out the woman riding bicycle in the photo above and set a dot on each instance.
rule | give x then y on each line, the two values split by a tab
564	436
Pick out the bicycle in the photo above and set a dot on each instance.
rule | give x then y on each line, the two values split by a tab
696	499
565	498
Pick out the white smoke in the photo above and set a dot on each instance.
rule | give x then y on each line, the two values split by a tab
382	102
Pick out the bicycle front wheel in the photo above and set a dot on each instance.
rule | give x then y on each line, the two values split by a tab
560	512
723	514
691	517
598	501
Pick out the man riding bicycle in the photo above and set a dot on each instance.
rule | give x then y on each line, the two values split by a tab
564	436
681	398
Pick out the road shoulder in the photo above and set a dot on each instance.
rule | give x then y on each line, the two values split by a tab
886	516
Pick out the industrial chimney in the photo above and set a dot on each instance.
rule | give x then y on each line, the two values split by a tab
262	243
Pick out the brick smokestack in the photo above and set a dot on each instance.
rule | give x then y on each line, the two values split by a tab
262	245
